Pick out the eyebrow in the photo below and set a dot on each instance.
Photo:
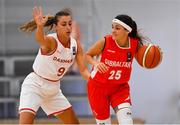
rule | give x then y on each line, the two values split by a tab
66	22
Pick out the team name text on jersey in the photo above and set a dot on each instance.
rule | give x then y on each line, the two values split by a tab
117	63
62	60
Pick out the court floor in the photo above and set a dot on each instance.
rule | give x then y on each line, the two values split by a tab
55	121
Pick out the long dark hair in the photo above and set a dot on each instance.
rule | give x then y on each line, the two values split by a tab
30	26
130	22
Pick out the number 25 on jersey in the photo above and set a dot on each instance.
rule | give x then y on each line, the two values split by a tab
115	75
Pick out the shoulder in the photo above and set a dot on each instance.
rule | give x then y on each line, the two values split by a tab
133	39
52	35
52	40
101	42
74	42
73	39
108	36
135	43
108	40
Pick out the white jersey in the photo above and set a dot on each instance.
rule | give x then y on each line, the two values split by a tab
54	66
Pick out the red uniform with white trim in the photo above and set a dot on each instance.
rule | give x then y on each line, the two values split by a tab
111	88
118	59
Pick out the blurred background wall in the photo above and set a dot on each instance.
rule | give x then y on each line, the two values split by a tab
155	93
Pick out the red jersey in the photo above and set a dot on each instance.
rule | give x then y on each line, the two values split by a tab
118	59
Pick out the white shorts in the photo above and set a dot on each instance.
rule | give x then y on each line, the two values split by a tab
36	92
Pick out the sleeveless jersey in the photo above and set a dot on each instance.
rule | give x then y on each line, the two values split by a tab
53	66
118	59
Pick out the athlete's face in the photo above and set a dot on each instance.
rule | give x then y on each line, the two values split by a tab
64	26
119	32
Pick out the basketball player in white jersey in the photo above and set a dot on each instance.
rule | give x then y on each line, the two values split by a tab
57	53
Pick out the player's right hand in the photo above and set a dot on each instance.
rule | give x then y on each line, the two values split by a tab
101	67
38	16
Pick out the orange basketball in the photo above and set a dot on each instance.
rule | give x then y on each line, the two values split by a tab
149	56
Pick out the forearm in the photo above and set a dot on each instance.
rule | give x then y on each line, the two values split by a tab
90	60
85	74
82	67
39	34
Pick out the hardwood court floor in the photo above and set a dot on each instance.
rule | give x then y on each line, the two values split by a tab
55	121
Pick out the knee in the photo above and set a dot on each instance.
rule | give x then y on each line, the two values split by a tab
103	122
124	114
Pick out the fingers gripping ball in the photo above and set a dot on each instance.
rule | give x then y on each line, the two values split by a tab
149	56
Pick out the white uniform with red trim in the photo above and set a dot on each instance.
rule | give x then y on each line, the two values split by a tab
55	65
42	87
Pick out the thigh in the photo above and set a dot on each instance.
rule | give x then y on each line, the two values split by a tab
98	100
121	95
55	104
30	98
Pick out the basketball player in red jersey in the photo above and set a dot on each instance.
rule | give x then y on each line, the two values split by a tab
56	54
108	84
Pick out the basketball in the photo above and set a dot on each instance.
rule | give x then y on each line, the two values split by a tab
149	56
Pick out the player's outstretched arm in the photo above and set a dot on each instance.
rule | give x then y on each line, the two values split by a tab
46	43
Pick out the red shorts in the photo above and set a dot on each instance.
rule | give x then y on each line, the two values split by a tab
101	98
